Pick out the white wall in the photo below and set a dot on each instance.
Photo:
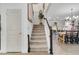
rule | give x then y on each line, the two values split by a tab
26	29
37	8
36	19
26	26
52	17
47	33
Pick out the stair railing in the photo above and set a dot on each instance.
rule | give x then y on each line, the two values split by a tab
30	27
30	24
49	34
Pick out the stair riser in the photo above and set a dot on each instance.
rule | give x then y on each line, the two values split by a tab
38	34
37	31
38	26
34	49
37	43
38	47
40	43
38	40
42	37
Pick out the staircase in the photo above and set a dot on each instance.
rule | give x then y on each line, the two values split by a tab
38	41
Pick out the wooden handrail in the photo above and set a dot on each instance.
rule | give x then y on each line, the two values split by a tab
51	41
48	23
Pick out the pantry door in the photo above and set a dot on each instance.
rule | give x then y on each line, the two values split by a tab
13	21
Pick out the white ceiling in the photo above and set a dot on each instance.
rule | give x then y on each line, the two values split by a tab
62	9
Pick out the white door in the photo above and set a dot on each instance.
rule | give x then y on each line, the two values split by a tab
13	17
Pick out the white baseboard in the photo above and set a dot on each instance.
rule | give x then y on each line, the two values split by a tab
3	51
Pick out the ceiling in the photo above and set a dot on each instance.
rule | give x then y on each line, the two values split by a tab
62	9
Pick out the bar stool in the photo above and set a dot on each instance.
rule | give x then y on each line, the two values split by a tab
67	36
71	38
76	38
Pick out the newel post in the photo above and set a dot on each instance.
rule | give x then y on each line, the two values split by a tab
28	43
51	41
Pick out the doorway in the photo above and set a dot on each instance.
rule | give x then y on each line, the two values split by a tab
13	22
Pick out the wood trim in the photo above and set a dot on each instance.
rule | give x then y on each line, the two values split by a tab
47	23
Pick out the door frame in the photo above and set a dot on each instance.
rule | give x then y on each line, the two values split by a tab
24	48
19	33
1	32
